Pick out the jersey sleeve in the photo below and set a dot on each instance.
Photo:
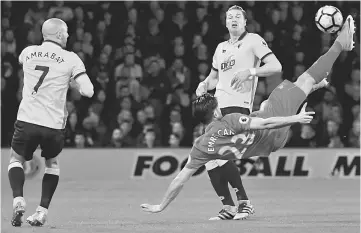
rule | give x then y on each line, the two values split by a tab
196	159
238	122
78	67
260	47
21	56
215	59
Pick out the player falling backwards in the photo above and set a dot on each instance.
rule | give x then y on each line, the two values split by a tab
233	59
48	70
237	136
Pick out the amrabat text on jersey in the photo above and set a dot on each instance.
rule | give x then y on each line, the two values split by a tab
49	55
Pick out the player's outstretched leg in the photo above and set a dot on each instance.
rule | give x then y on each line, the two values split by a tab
17	180
320	69
50	182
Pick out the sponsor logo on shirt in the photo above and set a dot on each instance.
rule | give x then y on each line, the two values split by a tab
228	63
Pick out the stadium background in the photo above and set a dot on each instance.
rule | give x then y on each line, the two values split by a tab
146	59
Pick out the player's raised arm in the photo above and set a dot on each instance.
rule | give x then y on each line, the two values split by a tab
211	81
243	122
84	85
172	192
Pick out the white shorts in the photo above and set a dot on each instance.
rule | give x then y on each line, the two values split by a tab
215	163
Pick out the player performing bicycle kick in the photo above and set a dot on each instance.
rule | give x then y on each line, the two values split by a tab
237	136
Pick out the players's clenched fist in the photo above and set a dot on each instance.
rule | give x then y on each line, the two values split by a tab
305	117
201	89
151	208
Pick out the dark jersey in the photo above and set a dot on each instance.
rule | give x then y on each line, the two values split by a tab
230	138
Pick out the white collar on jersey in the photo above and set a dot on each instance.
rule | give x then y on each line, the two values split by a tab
50	41
239	38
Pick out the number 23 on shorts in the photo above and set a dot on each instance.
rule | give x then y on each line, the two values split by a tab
247	139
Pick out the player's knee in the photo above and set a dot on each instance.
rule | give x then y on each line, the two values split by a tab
263	105
52	166
305	82
211	165
15	157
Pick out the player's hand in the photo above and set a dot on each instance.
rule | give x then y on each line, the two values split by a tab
151	208
239	78
305	117
201	89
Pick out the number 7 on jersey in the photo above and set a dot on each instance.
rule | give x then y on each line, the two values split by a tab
45	70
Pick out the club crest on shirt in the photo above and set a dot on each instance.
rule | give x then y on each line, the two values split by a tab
228	63
243	120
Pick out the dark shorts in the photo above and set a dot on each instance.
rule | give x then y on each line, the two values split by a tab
234	109
285	100
27	137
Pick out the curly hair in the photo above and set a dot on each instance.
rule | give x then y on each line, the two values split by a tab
203	108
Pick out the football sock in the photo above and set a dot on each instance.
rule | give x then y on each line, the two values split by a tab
220	185
247	202
231	173
320	69
50	182
16	178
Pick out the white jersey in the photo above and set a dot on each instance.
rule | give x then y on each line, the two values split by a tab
48	70
246	53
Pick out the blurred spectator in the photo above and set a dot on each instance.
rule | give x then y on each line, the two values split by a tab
116	140
331	137
179	26
61	11
79	140
154	39
148	139
130	74
354	137
157	85
9	42
179	74
174	140
324	108
72	127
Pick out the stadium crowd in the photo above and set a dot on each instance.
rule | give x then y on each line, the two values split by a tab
145	60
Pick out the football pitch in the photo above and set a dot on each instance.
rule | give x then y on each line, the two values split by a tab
109	205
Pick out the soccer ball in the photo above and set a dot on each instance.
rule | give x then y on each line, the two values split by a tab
329	19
